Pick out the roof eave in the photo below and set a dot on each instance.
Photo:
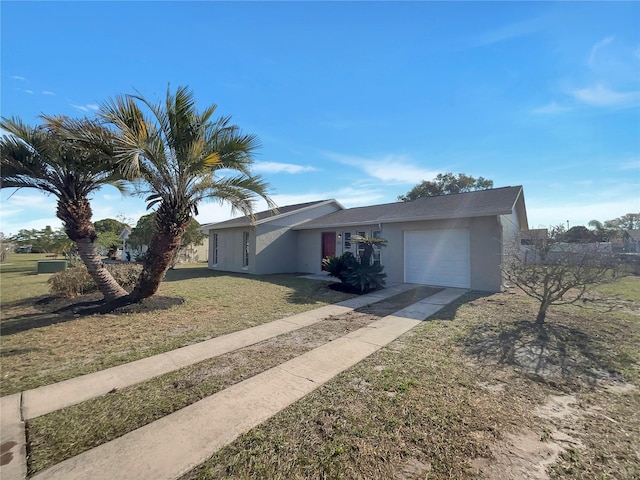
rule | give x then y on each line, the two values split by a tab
383	220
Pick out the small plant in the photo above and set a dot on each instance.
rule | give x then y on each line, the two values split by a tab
362	277
76	280
366	277
340	267
72	282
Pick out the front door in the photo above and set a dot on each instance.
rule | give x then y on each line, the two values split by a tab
328	245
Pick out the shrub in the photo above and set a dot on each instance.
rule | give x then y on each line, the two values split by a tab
72	282
76	281
362	277
340	267
366	277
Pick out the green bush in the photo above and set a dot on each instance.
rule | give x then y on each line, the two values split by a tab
366	277
340	267
76	281
348	270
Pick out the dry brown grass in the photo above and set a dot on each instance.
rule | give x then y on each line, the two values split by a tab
433	405
41	347
68	432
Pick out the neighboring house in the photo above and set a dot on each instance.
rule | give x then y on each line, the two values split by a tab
450	240
632	241
124	236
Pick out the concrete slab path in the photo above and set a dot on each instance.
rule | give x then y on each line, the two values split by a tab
15	409
173	445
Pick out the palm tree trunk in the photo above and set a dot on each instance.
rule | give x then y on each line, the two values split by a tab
162	248
110	289
76	217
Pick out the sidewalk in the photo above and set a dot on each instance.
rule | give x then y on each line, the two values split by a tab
176	443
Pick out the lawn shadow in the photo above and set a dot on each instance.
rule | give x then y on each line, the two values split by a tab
29	321
548	351
450	311
56	310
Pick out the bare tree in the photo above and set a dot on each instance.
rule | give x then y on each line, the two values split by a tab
557	273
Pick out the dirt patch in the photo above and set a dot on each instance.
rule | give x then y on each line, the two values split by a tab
94	303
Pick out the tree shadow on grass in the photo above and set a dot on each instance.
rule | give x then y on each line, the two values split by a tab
56	310
549	351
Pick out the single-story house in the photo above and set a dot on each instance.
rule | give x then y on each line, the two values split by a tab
450	240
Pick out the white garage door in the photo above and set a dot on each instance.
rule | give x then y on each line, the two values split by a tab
437	257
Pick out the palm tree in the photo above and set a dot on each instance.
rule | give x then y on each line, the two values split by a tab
40	158
179	157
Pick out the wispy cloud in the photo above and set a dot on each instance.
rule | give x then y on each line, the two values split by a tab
633	164
389	168
593	55
18	77
47	92
552	108
611	82
602	96
14	208
508	32
30	92
276	167
85	108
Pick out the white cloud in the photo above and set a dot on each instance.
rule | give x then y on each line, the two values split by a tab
390	168
85	108
47	92
275	167
601	96
551	109
26	210
633	164
593	56
18	77
30	92
508	32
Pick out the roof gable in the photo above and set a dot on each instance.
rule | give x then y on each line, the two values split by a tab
268	215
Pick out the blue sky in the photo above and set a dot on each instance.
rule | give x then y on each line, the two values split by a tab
356	101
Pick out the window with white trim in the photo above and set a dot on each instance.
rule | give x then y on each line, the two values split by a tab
347	241
360	246
377	251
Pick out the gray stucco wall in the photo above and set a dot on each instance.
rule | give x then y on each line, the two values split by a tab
272	244
231	251
485	247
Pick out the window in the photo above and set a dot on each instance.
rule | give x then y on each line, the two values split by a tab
360	246
376	249
347	241
245	243
214	254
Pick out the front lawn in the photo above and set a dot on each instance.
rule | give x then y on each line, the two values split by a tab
477	391
40	347
469	394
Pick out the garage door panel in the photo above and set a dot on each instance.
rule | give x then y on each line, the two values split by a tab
438	257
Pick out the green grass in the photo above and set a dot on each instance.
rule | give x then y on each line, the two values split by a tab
70	431
42	347
444	396
18	278
431	404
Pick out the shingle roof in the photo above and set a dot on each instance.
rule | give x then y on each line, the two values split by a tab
263	216
498	201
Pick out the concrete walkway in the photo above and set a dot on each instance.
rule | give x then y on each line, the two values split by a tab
176	443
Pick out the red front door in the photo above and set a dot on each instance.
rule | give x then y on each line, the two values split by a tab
328	244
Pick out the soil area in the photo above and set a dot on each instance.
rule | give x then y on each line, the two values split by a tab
94	303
